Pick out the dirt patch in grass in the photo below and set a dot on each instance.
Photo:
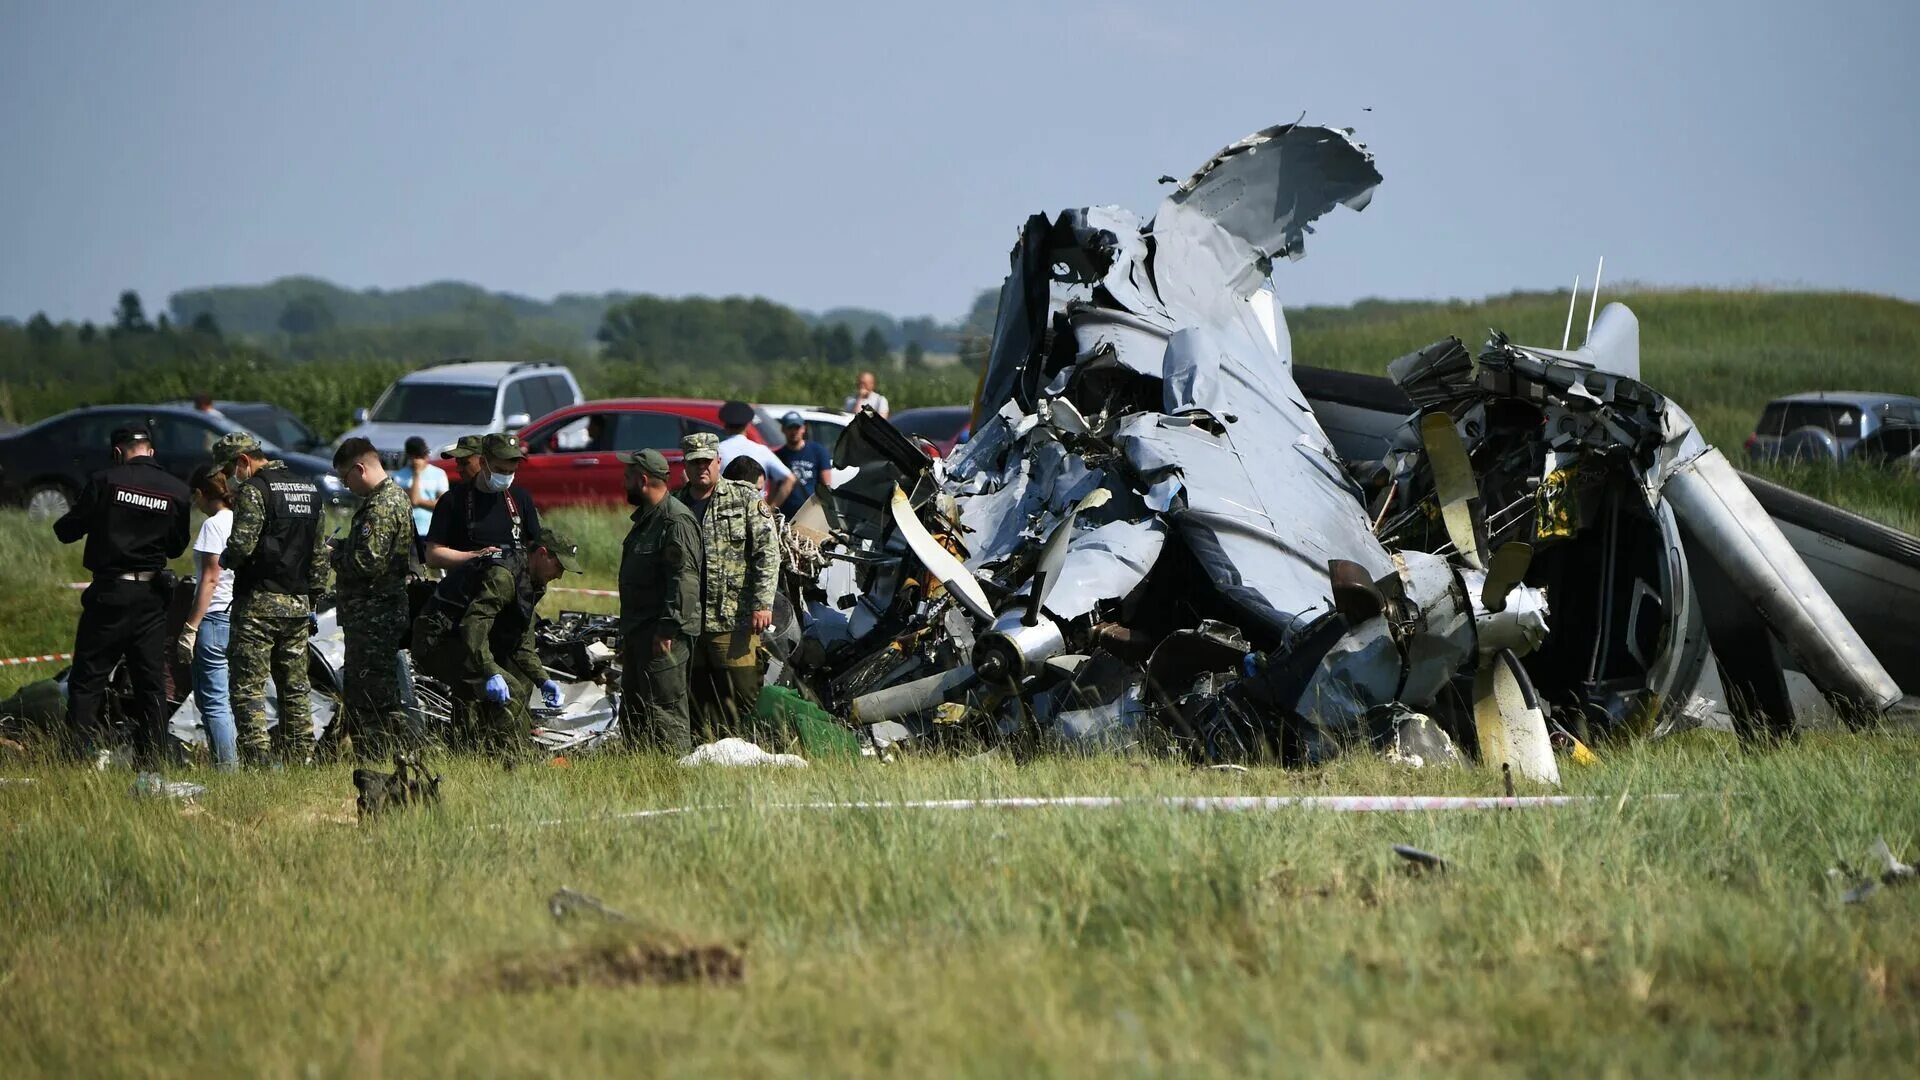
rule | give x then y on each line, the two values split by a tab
624	962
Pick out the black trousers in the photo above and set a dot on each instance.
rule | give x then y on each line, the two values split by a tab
120	619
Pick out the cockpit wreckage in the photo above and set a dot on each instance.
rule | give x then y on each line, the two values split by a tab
1152	536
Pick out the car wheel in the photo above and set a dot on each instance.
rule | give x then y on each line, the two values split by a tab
1810	446
50	500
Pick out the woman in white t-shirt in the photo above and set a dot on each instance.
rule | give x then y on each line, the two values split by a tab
203	641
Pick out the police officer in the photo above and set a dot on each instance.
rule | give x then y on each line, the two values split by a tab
485	514
134	516
740	568
659	608
279	566
476	635
372	564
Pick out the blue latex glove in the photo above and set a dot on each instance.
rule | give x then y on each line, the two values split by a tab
313	625
551	691
497	689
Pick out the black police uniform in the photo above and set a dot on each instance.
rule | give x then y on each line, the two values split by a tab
468	519
135	518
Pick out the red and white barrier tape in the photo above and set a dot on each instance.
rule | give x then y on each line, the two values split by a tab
50	658
585	592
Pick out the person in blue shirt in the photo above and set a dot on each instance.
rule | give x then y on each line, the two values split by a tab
811	463
424	483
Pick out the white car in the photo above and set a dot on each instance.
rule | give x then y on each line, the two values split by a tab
442	403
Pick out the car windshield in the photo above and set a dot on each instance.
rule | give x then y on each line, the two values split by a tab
436	403
937	425
272	425
1785	417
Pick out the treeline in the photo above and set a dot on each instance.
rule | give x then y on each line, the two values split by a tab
304	318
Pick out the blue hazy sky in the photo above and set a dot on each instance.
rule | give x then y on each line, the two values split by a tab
883	155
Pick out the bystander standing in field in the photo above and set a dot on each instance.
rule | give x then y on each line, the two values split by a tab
736	416
134	518
866	394
203	640
811	463
203	403
740	560
424	483
660	569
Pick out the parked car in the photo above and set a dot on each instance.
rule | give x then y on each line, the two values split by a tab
1827	425
44	467
271	423
823	425
945	426
570	452
442	403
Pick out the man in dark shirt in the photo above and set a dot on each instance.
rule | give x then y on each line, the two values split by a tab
134	517
484	516
811	463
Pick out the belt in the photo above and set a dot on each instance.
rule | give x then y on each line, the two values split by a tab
142	575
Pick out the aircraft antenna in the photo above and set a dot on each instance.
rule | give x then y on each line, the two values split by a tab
1573	298
1595	303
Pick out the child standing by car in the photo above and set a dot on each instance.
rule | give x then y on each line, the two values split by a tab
203	641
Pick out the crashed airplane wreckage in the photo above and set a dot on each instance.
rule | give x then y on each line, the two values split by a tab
1150	531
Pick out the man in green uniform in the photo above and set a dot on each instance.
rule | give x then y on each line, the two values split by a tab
279	566
371	565
740	568
659	608
466	456
476	635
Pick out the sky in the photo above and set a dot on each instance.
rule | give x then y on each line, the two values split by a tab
883	155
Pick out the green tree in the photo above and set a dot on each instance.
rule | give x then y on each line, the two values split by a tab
87	333
41	332
305	315
205	323
129	316
837	348
913	355
873	348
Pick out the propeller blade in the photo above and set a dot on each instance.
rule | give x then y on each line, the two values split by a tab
908	698
1507	569
939	562
1454	485
1046	572
1508	721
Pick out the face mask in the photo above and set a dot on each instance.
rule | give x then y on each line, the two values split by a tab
495	482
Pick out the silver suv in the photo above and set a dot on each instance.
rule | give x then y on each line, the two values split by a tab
442	403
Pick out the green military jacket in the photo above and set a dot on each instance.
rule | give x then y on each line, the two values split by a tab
496	630
741	566
249	517
373	560
660	567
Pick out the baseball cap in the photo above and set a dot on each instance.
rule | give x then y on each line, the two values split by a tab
651	462
467	446
792	419
561	548
131	433
233	444
502	446
701	446
736	413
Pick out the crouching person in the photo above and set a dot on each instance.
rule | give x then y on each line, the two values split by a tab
476	636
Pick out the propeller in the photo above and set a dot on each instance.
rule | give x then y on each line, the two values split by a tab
1508	720
940	562
1454	486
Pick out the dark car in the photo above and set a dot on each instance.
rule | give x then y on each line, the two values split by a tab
43	467
272	423
570	452
945	426
1827	425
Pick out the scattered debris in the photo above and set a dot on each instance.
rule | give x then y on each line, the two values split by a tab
1894	872
566	903
408	785
18	781
1861	886
740	753
626	962
1418	861
152	785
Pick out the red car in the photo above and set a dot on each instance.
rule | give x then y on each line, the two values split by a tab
570	452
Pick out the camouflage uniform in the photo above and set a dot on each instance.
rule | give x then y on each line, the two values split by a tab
659	599
373	562
479	624
272	603
740	569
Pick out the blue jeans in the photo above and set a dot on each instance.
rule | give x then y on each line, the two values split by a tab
210	687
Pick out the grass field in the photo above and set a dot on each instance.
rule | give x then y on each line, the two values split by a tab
260	931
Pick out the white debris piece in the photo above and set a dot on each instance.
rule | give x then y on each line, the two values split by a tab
738	752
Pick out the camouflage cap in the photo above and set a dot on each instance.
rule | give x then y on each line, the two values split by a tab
466	447
561	548
502	446
232	445
701	446
651	462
